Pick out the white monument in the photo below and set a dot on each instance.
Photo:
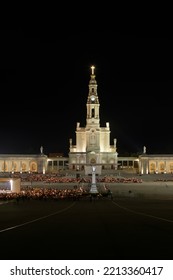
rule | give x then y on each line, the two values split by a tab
93	189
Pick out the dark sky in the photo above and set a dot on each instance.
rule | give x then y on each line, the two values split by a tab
44	77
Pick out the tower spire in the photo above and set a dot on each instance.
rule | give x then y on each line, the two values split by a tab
93	118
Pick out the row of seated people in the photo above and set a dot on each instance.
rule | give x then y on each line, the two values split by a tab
52	178
28	193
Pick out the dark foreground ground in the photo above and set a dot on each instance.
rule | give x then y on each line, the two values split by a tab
122	228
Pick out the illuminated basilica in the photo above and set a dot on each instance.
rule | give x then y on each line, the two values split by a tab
92	141
92	147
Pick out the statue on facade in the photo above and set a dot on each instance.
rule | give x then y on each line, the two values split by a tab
115	142
41	149
144	150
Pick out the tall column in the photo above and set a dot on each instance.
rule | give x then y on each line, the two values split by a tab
93	189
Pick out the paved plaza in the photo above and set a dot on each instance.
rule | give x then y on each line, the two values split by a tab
132	226
136	222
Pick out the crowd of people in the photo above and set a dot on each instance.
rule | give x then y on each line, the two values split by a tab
80	186
56	178
28	193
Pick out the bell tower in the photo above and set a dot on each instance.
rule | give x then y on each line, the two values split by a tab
92	141
93	118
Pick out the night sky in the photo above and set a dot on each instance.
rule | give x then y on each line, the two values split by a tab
44	77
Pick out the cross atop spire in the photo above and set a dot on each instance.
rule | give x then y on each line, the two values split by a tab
92	69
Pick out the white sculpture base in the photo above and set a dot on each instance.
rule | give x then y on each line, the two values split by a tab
93	189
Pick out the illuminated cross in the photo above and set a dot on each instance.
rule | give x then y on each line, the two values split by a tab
92	68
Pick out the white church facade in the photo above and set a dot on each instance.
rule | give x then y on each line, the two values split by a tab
93	141
92	147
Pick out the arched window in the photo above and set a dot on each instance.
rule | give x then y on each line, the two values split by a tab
33	167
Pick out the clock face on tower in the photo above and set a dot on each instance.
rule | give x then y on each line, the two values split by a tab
92	97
